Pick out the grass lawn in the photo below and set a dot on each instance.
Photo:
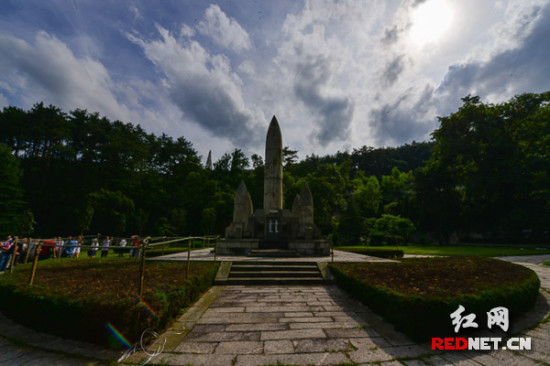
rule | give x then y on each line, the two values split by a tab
482	251
547	263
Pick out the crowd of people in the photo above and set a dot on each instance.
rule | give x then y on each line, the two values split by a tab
70	247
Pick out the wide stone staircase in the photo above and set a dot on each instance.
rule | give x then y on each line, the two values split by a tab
271	273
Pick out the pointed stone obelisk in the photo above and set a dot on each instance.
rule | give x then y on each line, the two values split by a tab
242	209
209	161
273	177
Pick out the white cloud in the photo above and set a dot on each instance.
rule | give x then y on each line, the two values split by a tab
223	30
49	71
336	73
204	87
3	101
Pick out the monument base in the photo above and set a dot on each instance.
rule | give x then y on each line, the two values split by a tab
303	248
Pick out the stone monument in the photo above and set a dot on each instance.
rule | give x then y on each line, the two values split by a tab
291	232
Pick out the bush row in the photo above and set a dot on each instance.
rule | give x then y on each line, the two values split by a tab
86	319
422	317
377	252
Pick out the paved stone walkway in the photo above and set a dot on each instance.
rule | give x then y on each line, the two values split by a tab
318	325
535	263
208	255
321	325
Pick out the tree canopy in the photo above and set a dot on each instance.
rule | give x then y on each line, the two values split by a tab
484	175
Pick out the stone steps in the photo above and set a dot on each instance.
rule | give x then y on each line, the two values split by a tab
273	273
270	274
283	267
273	253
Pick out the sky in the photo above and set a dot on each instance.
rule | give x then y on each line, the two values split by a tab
337	74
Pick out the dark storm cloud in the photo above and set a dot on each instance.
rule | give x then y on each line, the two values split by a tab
393	70
334	113
204	87
391	35
217	111
519	70
403	121
418	2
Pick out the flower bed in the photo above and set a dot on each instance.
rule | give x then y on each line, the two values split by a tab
79	299
418	295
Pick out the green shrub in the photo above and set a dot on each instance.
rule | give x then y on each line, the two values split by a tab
378	252
79	312
422	314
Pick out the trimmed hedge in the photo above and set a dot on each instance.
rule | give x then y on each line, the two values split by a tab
424	316
380	253
86	317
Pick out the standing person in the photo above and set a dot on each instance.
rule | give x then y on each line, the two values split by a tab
136	243
105	247
58	247
18	244
46	250
7	250
93	248
78	246
70	246
22	249
122	243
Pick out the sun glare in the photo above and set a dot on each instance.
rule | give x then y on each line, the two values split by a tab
430	21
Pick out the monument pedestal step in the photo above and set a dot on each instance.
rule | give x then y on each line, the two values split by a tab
276	281
272	273
273	253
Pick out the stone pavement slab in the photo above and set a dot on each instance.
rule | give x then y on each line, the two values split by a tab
322	325
313	325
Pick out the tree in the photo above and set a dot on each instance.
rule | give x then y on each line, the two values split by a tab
257	161
11	193
208	218
394	229
487	167
398	192
163	227
289	156
367	194
223	164
351	225
111	211
239	161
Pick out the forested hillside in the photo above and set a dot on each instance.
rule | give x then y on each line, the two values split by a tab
486	171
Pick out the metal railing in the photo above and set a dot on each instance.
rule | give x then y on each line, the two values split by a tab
146	243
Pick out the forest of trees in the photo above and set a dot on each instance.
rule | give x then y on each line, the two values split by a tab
485	175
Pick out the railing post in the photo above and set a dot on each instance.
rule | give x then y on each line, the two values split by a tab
34	263
142	267
216	249
28	250
163	239
188	257
12	258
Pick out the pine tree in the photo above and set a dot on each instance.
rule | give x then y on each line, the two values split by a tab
11	193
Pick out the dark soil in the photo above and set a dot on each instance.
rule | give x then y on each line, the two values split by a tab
115	278
439	277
